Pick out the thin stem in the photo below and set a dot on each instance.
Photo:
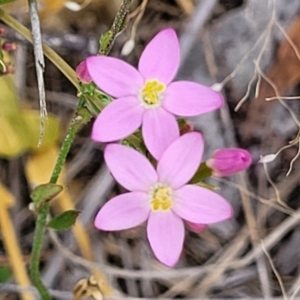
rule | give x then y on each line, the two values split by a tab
41	222
65	150
107	39
36	252
82	116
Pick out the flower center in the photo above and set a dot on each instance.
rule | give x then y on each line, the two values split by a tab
161	198
151	92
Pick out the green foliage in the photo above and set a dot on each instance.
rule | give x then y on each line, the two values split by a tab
6	1
45	193
64	220
96	99
5	274
203	172
20	129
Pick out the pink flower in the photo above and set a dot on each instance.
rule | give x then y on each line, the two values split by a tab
225	162
146	96
161	196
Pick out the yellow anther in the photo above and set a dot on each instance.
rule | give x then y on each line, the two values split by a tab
151	92
161	198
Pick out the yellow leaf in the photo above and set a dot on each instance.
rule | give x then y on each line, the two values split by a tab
40	165
11	244
13	136
32	122
6	198
8	96
20	132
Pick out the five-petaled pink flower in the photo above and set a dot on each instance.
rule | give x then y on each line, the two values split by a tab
227	161
162	195
147	96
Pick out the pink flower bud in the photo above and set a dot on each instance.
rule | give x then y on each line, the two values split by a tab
195	227
82	73
225	162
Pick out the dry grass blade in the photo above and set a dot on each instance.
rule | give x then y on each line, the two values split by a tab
11	243
39	62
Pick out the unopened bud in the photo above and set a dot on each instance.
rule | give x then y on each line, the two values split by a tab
83	73
225	162
195	227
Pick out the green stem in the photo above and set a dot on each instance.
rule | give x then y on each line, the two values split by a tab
108	38
41	222
82	116
36	252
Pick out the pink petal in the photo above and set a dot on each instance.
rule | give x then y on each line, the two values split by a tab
161	57
130	168
184	98
200	205
123	212
118	120
181	160
114	76
195	227
160	129
166	235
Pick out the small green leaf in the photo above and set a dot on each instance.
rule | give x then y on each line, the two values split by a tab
5	274
203	172
45	193
64	220
5	1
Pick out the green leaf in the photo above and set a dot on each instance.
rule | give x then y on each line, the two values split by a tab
44	193
64	220
203	172
6	1
5	274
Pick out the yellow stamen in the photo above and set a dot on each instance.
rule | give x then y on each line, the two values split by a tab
151	92
161	198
